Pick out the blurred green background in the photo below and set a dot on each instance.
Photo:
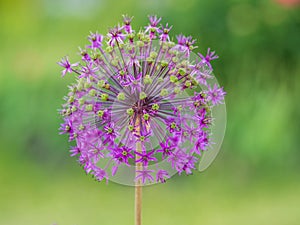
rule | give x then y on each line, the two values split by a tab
254	180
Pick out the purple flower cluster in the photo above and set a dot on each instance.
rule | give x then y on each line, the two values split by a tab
139	88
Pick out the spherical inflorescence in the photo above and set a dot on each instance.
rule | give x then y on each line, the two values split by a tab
140	88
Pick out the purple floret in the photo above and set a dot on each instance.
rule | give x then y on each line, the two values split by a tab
67	65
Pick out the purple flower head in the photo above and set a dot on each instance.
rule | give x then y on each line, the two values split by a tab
166	148
152	28
142	134
185	44
181	39
135	83
176	160
190	132
110	133
88	71
116	35
144	175
139	100
66	127
96	40
202	143
84	55
65	63
154	20
189	164
215	95
164	33
96	153
161	176
100	174
209	57
173	124
146	157
204	119
122	154
75	150
201	74
127	23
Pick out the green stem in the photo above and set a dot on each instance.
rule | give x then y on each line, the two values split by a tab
138	189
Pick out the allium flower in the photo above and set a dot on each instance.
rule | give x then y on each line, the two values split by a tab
127	23
209	56
152	27
96	40
116	35
140	89
144	175
161	176
67	65
215	95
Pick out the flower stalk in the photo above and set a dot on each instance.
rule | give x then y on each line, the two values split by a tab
138	188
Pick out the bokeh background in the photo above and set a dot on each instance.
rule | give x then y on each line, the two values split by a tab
254	180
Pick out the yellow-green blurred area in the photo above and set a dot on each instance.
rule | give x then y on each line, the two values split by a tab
254	180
